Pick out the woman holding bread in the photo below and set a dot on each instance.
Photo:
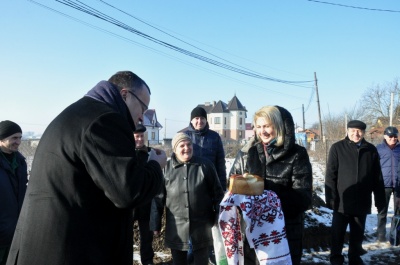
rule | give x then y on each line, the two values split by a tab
192	192
286	169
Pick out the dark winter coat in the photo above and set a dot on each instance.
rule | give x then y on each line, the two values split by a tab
191	195
85	180
207	143
142	211
239	165
287	171
389	159
352	174
12	193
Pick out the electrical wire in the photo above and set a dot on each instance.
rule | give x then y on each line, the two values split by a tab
93	12
356	7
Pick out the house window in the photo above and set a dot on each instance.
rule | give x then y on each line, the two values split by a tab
224	134
240	121
217	120
225	120
153	135
240	134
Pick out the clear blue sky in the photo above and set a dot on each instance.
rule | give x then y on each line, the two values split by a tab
49	60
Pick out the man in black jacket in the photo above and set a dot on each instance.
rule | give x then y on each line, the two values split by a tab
13	179
85	180
142	213
353	172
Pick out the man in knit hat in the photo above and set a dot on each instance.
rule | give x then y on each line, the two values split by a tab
207	143
13	179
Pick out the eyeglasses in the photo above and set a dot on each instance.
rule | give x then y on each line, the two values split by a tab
392	136
144	106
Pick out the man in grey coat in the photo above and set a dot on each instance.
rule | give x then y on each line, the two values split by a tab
86	179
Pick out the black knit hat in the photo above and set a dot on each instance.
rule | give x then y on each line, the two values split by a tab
140	128
357	124
8	128
198	112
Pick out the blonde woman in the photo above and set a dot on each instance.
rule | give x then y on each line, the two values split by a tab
285	167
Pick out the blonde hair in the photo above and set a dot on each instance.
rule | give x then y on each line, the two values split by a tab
272	115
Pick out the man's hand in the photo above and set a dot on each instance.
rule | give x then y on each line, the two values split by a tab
158	156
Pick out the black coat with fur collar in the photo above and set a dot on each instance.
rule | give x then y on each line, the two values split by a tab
287	171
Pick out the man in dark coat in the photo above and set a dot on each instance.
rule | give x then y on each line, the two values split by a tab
389	154
86	179
207	143
353	172
13	179
142	213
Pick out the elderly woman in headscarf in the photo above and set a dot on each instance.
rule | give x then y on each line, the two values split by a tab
191	196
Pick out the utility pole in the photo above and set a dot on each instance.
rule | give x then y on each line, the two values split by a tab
304	119
391	108
319	109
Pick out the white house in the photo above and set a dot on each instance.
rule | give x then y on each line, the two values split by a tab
153	127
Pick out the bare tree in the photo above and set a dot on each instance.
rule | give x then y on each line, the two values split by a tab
376	103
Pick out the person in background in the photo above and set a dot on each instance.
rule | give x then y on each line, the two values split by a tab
86	179
389	154
286	169
142	213
353	172
13	180
207	143
191	196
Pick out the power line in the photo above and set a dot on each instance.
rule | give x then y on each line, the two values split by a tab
356	7
168	55
93	12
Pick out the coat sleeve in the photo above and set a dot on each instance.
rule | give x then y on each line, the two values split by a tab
378	184
157	210
108	154
220	164
397	185
331	178
238	165
298	199
214	186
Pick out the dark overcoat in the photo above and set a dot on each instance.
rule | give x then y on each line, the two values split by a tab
191	198
12	193
85	180
352	174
